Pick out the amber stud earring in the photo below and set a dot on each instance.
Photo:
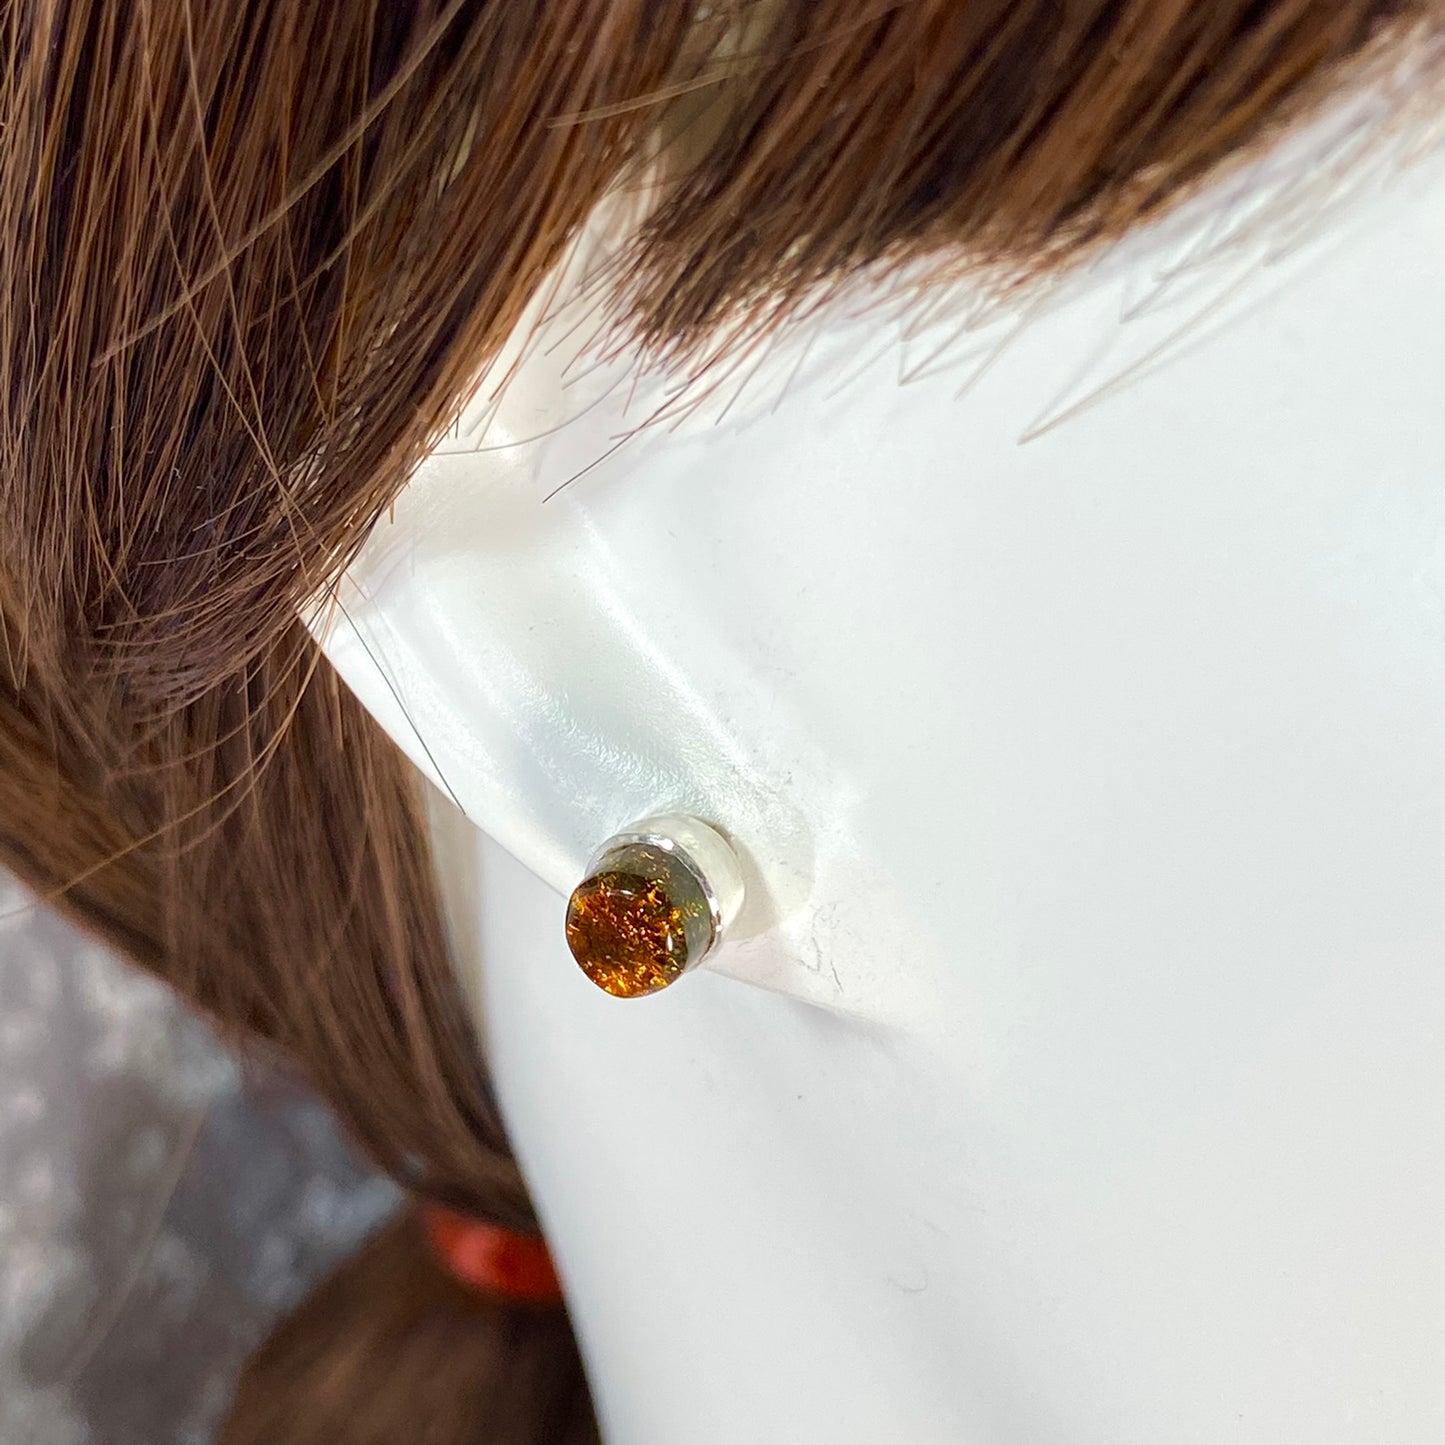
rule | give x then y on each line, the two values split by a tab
656	900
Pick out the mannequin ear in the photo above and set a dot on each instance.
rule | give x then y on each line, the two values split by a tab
561	660
484	630
493	663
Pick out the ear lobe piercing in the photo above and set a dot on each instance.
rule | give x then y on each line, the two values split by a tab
656	900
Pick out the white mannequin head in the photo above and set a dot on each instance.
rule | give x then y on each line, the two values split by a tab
1066	676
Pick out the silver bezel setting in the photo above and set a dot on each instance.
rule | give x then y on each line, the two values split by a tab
702	850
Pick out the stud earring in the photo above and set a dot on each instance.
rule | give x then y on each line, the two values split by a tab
656	900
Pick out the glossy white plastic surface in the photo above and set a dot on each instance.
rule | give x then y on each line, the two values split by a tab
1070	680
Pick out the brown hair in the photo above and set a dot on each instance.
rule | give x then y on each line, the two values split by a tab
253	253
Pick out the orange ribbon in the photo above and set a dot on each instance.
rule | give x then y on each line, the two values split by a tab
493	1260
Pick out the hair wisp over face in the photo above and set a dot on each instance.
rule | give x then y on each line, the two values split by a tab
252	257
995	138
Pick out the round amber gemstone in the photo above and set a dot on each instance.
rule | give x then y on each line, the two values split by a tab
638	919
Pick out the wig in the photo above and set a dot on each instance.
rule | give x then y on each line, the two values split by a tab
254	255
